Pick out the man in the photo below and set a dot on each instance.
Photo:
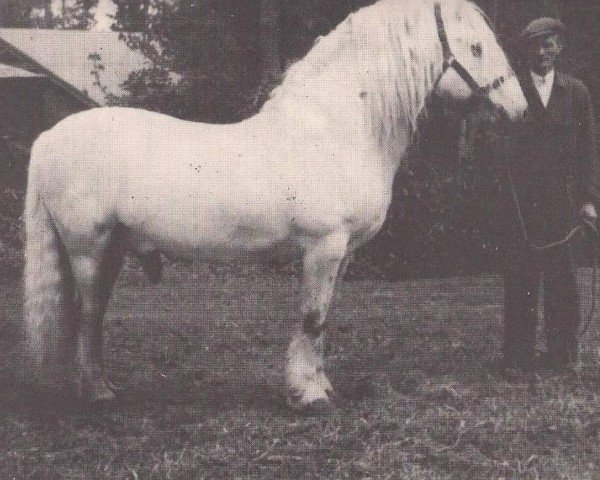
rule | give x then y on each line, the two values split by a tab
554	172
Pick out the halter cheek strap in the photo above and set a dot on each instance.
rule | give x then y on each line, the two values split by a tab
450	60
442	34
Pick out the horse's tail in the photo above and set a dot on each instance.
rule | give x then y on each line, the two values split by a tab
48	295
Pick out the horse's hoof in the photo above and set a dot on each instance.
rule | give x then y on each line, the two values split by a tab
101	402
324	383
98	393
310	404
114	387
104	397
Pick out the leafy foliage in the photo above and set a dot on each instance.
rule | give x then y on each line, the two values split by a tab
24	13
79	15
73	14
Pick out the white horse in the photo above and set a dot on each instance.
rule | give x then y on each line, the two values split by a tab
310	175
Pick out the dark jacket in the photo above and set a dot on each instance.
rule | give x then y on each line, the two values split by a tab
555	165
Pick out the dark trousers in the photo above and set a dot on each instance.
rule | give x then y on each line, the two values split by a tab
525	273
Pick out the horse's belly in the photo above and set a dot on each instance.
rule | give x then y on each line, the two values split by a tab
211	234
187	226
253	250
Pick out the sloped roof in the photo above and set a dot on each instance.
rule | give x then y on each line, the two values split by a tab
65	54
8	71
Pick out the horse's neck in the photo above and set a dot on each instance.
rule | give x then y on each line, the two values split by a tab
364	94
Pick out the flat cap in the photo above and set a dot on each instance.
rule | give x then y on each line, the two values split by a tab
541	27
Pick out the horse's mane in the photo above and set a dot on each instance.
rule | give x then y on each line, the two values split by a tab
389	50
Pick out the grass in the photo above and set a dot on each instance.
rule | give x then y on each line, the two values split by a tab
199	359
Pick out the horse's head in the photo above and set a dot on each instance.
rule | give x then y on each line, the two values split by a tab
475	66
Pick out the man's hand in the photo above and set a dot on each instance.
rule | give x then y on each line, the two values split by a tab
588	213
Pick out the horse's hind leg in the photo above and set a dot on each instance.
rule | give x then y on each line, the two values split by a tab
94	274
109	271
305	376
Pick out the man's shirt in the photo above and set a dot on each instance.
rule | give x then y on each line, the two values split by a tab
543	84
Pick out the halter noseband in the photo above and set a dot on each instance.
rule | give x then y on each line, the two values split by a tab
450	60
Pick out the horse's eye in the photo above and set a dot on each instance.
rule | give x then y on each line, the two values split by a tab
477	50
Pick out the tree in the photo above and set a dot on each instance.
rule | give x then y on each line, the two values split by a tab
79	15
212	46
25	13
269	33
132	15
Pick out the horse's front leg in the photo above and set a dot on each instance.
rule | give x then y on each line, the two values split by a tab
305	377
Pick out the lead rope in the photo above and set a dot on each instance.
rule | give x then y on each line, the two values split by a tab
563	241
594	291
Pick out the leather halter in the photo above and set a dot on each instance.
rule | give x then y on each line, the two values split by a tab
450	60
